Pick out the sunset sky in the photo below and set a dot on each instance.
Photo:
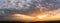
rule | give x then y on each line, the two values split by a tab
28	7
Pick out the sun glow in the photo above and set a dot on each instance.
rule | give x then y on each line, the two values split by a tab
41	17
46	16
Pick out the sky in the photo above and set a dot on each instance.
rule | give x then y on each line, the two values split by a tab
52	5
1	2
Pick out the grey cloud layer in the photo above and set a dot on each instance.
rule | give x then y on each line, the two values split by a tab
28	6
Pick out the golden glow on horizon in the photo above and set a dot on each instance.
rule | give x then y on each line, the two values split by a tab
46	16
41	17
